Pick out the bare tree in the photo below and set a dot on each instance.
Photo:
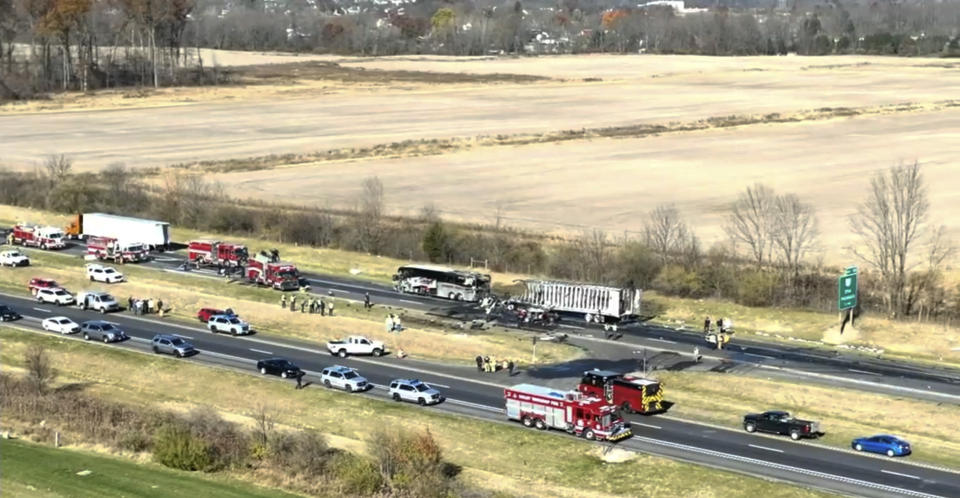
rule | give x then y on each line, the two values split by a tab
750	221
795	229
665	231
370	228
57	167
40	371
264	423
593	245
889	222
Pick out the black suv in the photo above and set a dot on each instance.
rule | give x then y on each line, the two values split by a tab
279	366
7	314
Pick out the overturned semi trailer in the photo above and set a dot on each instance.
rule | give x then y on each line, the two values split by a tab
609	306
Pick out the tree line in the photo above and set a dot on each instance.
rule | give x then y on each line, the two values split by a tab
84	44
765	260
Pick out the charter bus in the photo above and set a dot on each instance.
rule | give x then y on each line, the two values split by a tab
442	282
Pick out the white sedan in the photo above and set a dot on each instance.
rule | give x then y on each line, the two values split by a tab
60	324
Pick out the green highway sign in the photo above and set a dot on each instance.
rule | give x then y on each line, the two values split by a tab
847	289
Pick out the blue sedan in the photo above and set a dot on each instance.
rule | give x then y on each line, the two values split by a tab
888	445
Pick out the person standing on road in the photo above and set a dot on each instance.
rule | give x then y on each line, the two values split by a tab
366	301
283	301
706	325
510	366
696	354
159	306
323	308
293	303
479	363
300	380
130	304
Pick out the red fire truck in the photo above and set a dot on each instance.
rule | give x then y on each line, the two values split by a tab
37	236
585	416
214	252
633	394
261	269
110	249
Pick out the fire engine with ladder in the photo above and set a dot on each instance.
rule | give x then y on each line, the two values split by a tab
546	408
264	270
217	253
111	249
632	393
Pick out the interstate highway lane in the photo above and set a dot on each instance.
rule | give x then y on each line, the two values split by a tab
781	458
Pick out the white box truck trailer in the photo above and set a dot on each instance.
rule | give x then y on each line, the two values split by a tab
155	234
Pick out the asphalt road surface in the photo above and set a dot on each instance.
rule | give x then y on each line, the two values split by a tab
481	395
667	347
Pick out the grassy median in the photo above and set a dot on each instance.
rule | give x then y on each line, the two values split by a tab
425	337
844	414
500	457
35	470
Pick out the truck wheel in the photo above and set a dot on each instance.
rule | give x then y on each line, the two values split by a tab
155	350
103	311
213	330
423	402
589	435
459	297
377	352
750	428
263	370
451	296
540	425
795	435
348	388
233	332
626	407
396	396
86	336
326	383
527	422
342	353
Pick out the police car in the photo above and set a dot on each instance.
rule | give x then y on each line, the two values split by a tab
345	378
415	391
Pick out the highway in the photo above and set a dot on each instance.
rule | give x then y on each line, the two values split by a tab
479	395
668	346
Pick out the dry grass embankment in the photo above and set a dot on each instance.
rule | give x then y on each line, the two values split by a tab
844	414
929	342
425	337
494	456
437	146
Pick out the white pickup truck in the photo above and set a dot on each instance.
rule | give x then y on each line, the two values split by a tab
355	344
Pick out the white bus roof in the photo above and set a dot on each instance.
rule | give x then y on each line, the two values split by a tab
443	269
125	218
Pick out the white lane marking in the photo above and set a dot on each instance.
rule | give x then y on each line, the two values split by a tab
779	466
864	382
260	351
854	370
662	340
756	355
646	425
899	474
757	446
434	384
409	301
183	336
43	310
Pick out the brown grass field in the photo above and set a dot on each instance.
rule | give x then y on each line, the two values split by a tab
894	110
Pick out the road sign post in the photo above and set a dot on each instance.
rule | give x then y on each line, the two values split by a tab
847	288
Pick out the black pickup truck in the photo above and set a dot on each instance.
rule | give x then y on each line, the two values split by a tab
779	422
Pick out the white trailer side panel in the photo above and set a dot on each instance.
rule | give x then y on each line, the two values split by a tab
126	229
582	298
